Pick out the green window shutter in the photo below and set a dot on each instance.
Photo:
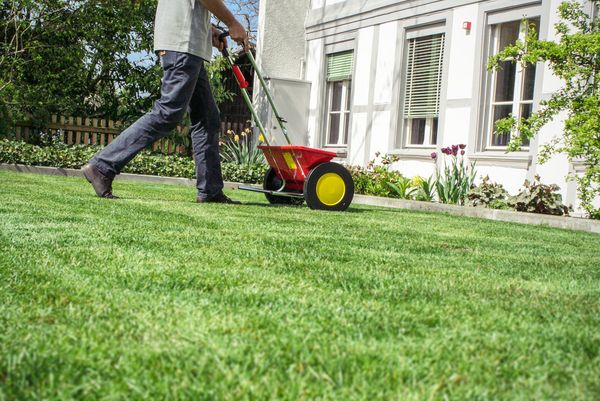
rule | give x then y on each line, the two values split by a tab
424	77
339	66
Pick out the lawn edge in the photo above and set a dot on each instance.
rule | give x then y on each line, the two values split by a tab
569	223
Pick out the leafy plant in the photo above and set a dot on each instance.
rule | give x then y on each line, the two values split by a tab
375	179
403	188
241	149
217	71
425	188
575	58
74	58
455	180
489	194
539	198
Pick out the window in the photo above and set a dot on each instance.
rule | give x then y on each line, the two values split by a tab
339	89
424	62
512	86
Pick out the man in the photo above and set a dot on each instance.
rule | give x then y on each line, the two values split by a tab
183	39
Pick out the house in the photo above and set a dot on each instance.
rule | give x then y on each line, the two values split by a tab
409	77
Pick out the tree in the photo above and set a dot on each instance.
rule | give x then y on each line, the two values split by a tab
247	11
77	58
575	58
89	58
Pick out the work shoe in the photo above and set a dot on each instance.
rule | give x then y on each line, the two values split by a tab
221	198
101	183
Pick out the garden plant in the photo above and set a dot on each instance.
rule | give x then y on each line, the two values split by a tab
453	180
241	148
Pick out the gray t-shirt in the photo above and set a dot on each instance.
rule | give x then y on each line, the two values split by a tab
183	26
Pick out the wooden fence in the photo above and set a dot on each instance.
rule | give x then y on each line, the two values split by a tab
95	131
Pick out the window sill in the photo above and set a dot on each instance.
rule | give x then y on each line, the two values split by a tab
415	153
579	166
498	158
342	151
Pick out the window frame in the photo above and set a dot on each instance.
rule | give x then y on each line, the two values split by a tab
438	28
482	130
345	106
518	86
346	99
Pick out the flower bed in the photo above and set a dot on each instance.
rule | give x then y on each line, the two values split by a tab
453	182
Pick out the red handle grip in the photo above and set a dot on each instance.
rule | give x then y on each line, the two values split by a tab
240	77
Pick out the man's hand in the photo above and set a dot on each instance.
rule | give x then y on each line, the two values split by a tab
236	30
239	34
216	40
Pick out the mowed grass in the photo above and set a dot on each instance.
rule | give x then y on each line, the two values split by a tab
154	297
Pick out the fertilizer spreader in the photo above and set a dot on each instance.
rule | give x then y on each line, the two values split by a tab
296	173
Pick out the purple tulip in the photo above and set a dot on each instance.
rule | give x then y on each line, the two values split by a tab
434	155
462	152
462	146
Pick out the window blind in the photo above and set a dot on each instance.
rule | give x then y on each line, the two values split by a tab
339	66
424	76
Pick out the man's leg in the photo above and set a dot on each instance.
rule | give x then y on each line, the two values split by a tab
180	73
205	119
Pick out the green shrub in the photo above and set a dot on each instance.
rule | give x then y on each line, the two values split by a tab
489	194
63	156
375	179
539	198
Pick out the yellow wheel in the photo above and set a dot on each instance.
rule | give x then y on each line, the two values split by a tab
331	189
329	186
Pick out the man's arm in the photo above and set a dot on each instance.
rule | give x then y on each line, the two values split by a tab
220	10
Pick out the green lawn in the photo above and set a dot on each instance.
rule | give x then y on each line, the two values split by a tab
155	297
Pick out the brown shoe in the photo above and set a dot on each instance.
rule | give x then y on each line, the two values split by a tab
101	183
222	198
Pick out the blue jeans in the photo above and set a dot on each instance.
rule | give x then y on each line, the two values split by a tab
185	86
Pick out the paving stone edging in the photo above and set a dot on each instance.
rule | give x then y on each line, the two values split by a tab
570	223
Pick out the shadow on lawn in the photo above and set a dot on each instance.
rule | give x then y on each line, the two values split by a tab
296	207
351	209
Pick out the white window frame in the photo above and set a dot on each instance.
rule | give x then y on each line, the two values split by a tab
406	126
346	107
492	43
344	128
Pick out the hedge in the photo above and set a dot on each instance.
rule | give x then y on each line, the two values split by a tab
76	156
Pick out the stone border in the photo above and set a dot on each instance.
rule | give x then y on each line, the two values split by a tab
569	223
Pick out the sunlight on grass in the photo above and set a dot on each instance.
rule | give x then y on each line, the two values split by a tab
156	297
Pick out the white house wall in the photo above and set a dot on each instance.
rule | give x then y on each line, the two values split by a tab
362	97
281	51
314	74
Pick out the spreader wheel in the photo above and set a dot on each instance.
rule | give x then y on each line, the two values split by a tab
329	186
273	182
